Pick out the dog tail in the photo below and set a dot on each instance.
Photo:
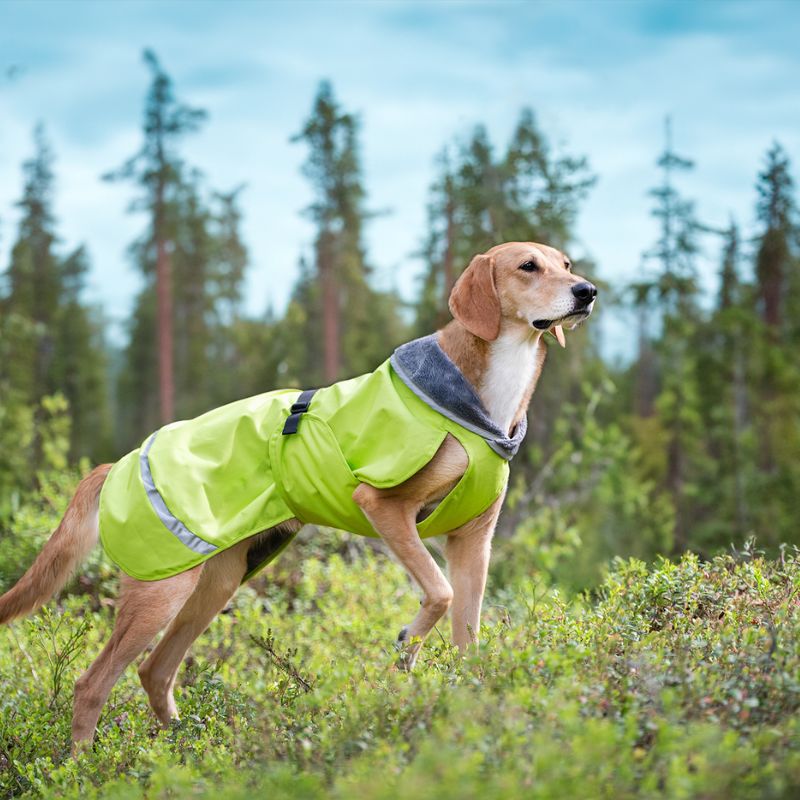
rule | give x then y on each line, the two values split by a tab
64	551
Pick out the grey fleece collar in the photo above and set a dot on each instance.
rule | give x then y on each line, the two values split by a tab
427	370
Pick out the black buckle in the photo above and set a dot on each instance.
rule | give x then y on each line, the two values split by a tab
299	407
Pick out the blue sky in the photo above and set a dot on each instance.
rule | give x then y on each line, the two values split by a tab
601	76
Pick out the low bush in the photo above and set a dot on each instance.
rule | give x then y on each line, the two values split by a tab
679	680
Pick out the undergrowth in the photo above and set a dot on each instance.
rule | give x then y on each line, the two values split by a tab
675	680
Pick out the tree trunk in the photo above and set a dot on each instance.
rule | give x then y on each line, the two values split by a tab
645	371
164	323
769	269
330	308
447	266
740	414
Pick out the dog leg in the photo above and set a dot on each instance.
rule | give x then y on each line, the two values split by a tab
394	519
220	580
393	513
467	551
145	608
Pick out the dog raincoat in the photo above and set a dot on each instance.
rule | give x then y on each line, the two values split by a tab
197	487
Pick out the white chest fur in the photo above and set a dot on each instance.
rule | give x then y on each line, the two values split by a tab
509	371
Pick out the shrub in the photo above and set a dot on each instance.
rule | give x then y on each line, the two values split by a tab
680	680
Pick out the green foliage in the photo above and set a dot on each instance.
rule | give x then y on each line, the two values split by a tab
16	420
34	520
35	444
681	681
699	443
54	432
716	390
590	498
481	199
59	639
50	342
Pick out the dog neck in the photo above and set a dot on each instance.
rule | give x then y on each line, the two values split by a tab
504	372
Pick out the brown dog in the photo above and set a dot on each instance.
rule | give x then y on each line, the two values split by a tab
501	305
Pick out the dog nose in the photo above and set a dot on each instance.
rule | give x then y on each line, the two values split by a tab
585	292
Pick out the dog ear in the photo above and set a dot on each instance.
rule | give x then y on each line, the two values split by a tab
474	301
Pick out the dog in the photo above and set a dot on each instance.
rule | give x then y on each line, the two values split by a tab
502	304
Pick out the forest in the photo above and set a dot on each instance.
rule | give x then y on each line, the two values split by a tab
693	444
651	520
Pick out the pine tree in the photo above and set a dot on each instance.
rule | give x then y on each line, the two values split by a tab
356	341
185	325
157	169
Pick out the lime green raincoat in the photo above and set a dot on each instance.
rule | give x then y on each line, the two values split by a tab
197	487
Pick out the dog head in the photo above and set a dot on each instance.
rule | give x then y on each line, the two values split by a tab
521	284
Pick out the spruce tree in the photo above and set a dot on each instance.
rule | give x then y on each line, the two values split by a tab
543	190
33	278
57	346
675	287
723	353
481	198
777	240
80	363
775	370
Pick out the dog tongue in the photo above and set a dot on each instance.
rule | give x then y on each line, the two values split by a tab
558	332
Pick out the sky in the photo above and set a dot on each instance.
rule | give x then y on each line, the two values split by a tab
601	77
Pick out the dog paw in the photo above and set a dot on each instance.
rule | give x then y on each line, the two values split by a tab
407	651
402	637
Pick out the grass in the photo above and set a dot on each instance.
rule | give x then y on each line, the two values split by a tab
680	680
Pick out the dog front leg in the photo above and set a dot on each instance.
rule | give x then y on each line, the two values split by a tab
467	551
394	520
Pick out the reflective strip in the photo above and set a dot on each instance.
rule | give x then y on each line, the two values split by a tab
171	522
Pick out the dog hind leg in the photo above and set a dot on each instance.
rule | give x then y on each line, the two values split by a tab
220	580
146	607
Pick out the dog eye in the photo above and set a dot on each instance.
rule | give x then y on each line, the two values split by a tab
529	266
